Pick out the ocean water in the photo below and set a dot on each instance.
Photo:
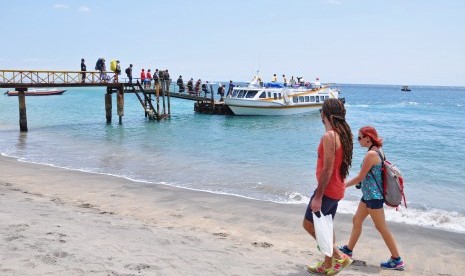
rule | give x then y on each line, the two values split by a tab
263	158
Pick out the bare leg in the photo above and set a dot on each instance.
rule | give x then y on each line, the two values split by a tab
308	226
357	224
380	223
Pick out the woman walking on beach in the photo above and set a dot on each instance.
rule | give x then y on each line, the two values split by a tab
372	201
333	163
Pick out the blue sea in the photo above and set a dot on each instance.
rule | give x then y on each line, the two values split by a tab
262	158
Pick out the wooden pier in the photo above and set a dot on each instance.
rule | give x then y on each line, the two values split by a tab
21	80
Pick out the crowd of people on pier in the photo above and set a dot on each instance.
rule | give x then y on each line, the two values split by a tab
160	79
147	79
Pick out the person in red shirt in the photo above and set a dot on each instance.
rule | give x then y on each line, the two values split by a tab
148	80
142	77
333	163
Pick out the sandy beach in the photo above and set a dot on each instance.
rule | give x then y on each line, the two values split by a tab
61	222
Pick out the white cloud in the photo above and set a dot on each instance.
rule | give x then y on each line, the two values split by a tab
83	9
60	6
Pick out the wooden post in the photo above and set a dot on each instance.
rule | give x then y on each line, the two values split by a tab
169	104
108	105
157	89
22	109
163	92
213	96
120	103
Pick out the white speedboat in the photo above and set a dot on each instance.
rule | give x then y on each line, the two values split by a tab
276	99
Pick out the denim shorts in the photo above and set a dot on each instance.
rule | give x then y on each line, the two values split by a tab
328	206
373	203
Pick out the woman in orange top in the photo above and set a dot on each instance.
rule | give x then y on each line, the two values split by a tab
333	163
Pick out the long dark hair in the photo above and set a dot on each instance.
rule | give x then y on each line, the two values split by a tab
334	110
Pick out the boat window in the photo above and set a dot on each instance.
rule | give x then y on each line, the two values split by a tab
312	99
241	94
317	99
307	99
275	96
269	94
234	93
322	98
279	95
263	95
295	100
326	97
251	94
301	99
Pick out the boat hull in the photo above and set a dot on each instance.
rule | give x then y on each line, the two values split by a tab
268	109
37	93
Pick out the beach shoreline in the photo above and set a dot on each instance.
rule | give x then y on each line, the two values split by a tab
64	222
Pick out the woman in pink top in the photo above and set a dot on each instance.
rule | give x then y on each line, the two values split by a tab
333	163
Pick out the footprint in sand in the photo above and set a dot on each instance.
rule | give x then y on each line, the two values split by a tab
18	227
140	267
57	200
58	236
12	238
86	205
60	254
359	263
47	259
262	244
106	213
221	234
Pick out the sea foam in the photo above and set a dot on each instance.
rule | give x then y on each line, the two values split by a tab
432	218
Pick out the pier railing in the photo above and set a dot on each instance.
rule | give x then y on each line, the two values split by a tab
42	78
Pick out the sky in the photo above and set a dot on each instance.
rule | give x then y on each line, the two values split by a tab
400	42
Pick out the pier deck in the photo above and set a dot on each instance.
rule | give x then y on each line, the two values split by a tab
22	80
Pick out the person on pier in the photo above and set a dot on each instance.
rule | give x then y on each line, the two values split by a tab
180	84
129	73
148	80
83	69
205	88
197	86
142	76
166	78
230	88
190	86
221	92
117	70
156	79
103	70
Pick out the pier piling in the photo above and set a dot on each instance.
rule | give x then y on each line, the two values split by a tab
120	104
22	109
108	105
